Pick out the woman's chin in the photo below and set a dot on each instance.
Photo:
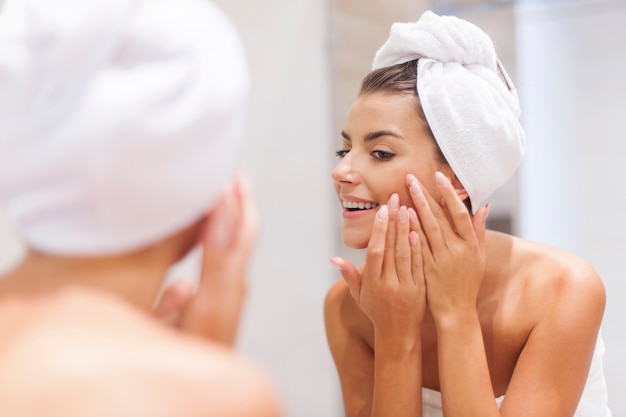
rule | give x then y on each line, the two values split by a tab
355	240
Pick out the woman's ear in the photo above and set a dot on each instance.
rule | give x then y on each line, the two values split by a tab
459	188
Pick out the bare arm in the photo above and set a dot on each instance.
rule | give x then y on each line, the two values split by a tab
553	367
346	326
551	370
390	292
453	266
397	368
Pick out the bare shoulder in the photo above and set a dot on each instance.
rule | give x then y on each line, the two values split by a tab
336	297
336	310
563	271
335	302
554	279
78	353
556	301
343	314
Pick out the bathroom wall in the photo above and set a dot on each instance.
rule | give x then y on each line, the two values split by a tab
288	152
571	76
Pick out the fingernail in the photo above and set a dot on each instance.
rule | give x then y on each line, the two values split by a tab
383	213
487	208
412	215
335	262
441	180
416	190
403	216
414	238
394	201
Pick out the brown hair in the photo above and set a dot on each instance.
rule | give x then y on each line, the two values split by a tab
402	79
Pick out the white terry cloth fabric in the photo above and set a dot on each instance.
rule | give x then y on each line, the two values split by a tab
120	119
594	399
469	101
432	404
593	402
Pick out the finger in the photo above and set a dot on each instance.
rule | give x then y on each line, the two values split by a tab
219	230
437	209
249	216
417	265
479	223
457	210
389	261
174	299
431	224
230	233
426	252
219	236
350	275
376	246
215	309
403	248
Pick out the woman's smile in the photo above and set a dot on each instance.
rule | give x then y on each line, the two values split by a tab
354	207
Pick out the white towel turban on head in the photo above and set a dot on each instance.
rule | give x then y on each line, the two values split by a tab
469	101
120	119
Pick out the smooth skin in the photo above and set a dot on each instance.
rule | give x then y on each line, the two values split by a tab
78	336
474	314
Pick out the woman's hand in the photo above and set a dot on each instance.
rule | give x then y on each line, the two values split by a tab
227	240
452	245
390	290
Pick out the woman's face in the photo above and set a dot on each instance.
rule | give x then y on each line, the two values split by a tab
384	139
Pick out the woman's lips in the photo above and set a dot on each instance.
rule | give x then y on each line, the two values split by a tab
354	208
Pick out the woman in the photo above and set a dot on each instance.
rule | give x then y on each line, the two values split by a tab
120	124
445	317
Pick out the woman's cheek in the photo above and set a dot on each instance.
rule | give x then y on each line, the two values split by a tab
405	197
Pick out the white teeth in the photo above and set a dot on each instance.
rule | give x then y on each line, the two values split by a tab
359	205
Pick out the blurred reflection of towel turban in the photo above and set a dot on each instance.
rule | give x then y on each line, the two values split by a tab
119	119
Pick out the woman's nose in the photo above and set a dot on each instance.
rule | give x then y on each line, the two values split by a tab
345	172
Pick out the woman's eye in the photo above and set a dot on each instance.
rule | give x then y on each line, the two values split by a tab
382	155
342	152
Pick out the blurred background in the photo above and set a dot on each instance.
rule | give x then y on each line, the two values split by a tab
307	58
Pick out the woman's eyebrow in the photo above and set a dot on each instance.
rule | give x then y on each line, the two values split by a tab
373	135
376	135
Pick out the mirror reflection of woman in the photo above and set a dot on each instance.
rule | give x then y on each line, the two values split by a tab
446	318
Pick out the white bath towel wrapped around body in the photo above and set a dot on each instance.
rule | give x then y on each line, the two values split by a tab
593	402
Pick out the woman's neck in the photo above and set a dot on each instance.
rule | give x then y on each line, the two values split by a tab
136	278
